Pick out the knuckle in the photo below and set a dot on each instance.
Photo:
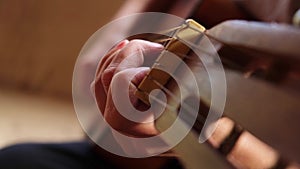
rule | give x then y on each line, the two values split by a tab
121	77
135	45
107	75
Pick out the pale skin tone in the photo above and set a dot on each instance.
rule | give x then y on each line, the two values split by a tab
119	63
249	151
108	69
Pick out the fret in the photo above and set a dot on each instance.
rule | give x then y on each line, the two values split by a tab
190	31
187	39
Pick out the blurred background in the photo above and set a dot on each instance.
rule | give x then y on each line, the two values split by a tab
41	40
39	44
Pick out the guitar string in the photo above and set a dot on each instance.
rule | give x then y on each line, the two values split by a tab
200	119
226	145
171	108
186	57
170	93
193	46
197	123
164	41
178	101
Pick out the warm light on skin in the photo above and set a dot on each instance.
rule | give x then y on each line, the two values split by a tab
248	152
224	127
252	153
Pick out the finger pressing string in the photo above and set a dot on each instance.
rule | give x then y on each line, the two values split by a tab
131	56
108	57
97	86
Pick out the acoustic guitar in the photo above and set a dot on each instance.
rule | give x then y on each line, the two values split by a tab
258	69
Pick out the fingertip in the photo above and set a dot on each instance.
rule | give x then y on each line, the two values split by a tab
144	43
156	45
142	72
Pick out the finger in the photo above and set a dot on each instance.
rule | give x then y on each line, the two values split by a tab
139	74
135	53
131	56
117	120
105	61
135	81
97	86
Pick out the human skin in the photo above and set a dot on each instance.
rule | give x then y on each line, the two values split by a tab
125	59
116	66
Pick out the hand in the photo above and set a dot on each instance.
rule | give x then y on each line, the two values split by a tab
117	66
